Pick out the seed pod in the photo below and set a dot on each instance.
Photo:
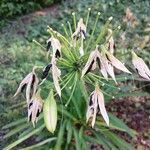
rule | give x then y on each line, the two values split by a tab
50	113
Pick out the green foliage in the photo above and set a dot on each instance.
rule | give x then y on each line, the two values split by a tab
72	132
9	9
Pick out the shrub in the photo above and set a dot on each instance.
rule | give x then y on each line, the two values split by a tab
67	112
10	8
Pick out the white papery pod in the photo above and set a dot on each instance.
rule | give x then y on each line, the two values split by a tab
34	108
23	83
30	82
116	63
80	30
31	87
111	43
56	76
96	102
50	112
56	46
91	63
141	67
107	68
101	104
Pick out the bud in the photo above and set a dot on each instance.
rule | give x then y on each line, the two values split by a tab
50	112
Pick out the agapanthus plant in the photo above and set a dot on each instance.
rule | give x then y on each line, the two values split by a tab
77	77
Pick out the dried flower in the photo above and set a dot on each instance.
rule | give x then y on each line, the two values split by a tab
46	71
91	63
141	67
107	68
30	82
34	108
56	75
111	43
56	46
96	103
116	63
80	30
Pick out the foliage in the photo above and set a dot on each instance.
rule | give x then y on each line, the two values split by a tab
72	105
11	9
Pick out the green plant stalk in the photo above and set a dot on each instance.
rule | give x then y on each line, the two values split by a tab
91	36
74	20
102	32
65	30
74	86
87	18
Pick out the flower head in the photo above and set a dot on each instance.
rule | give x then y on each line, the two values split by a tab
80	30
56	46
96	103
34	108
141	67
30	82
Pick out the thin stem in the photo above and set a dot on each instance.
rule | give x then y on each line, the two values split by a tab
87	18
65	30
91	36
36	42
103	31
74	86
74	20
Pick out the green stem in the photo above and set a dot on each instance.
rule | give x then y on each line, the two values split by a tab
91	36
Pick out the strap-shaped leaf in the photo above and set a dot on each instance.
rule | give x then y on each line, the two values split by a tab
24	138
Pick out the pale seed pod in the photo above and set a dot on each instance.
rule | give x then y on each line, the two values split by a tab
50	112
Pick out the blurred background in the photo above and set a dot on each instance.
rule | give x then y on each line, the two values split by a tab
22	21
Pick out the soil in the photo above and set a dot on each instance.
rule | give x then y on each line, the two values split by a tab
135	111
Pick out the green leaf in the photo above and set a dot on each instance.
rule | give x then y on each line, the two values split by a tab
14	123
40	144
77	140
107	145
69	132
60	137
16	130
120	124
120	143
24	138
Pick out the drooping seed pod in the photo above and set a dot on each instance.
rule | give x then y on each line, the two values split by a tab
50	112
56	46
30	82
140	66
80	30
91	63
56	72
34	108
96	103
